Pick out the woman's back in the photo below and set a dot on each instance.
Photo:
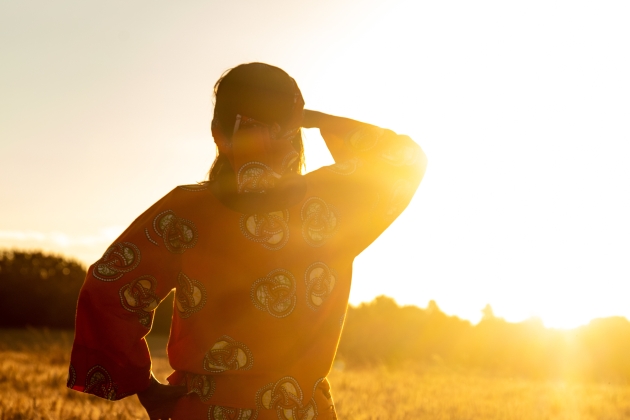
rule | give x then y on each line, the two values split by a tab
262	270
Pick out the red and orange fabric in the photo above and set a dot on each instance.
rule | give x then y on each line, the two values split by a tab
260	297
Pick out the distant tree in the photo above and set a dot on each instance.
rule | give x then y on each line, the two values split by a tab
381	331
41	290
488	313
38	289
433	308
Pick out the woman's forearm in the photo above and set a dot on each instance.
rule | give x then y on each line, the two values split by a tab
339	126
335	130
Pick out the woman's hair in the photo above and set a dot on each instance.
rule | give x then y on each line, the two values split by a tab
259	91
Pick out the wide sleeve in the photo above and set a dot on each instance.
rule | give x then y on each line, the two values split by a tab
375	175
110	357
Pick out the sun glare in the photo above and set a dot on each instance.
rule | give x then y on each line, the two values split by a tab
499	183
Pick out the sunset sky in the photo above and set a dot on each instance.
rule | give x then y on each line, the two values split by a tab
522	107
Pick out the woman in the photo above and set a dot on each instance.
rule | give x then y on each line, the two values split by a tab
260	257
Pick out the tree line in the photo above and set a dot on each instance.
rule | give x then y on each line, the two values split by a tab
382	332
41	291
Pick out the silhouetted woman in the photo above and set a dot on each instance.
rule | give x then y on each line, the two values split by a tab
260	257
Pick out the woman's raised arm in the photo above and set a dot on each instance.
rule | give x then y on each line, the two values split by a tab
375	175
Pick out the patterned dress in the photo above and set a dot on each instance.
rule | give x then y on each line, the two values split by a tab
260	298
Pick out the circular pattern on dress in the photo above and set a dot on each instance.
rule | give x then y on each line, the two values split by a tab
286	398
255	177
178	234
344	168
146	233
118	259
139	297
320	281
194	187
364	138
319	221
202	385
228	354
400	154
317	382
99	383
271	230
288	160
275	293
72	377
190	296
402	190
217	412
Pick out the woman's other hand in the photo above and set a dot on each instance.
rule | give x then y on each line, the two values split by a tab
159	400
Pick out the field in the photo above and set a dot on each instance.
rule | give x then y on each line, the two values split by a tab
33	368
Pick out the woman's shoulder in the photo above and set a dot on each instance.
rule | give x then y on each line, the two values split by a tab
189	196
181	199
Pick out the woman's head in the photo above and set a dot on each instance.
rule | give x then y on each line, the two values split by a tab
262	92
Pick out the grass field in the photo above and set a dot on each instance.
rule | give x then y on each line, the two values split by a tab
33	368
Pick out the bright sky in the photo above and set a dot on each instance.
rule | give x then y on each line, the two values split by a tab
522	107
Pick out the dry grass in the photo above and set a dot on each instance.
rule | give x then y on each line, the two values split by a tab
33	373
33	368
441	394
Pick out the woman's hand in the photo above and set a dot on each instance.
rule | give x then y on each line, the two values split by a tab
159	400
